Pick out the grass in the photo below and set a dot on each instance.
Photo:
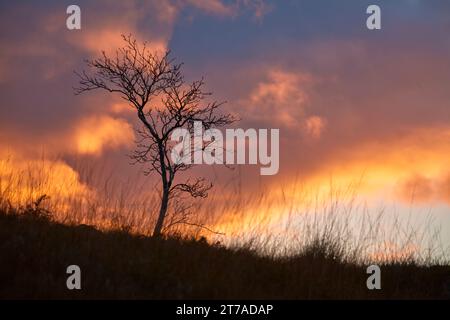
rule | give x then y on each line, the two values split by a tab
35	252
320	251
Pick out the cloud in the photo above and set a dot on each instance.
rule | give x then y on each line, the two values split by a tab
259	8
414	165
25	180
95	134
422	189
150	21
279	99
314	126
216	7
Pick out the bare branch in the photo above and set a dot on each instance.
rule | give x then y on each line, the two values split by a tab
153	85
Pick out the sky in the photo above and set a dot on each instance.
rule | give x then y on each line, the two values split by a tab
354	106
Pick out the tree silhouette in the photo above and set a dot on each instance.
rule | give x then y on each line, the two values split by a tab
142	77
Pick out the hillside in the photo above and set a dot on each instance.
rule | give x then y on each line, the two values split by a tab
35	252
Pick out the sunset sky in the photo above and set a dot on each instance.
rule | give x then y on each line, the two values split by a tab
352	105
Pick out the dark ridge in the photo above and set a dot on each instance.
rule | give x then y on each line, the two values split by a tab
35	252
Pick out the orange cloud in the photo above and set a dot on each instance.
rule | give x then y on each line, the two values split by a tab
393	168
421	189
351	181
97	133
121	108
24	180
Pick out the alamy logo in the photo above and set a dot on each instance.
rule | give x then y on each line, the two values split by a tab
73	21
74	280
374	280
209	147
374	20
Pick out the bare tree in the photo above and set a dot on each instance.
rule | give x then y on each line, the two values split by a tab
154	86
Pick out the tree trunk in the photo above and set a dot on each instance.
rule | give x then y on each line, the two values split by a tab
162	213
165	193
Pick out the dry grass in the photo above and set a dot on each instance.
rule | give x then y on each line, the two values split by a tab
35	253
318	251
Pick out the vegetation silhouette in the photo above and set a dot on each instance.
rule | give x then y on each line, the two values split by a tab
119	265
142	77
